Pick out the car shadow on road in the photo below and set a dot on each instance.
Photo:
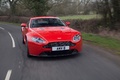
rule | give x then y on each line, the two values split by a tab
55	58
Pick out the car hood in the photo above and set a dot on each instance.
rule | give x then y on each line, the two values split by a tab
55	33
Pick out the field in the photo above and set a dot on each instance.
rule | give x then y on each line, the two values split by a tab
83	17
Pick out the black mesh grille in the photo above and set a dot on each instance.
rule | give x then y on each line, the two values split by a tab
54	44
59	53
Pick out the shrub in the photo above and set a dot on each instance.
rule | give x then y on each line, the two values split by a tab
14	19
92	25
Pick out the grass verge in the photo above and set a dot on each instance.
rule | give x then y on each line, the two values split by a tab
83	17
106	42
17	24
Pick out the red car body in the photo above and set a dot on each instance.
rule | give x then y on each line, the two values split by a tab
50	40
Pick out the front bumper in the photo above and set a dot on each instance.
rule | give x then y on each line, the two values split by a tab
59	53
41	50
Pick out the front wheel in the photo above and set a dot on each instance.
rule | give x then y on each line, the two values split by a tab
28	54
23	41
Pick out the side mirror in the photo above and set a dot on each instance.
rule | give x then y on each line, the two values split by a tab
67	23
23	25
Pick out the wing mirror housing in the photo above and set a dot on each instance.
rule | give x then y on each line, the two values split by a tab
23	25
67	23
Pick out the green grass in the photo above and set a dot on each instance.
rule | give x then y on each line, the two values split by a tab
84	17
17	24
106	42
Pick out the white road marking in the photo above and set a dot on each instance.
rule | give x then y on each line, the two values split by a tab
13	41
2	28
8	75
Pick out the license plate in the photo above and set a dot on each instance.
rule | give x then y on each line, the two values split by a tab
60	48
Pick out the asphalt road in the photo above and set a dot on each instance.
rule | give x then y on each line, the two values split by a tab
93	63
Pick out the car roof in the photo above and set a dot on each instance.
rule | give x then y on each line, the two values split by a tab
43	17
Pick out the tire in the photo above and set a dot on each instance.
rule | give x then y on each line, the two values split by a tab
23	41
28	54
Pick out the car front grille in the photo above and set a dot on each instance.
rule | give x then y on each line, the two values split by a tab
54	44
59	53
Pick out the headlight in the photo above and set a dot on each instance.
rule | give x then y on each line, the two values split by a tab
38	40
76	38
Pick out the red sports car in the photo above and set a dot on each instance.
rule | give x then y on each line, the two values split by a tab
49	36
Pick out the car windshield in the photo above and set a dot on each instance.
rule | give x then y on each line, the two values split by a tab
46	22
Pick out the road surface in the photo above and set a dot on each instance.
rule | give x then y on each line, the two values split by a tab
93	63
